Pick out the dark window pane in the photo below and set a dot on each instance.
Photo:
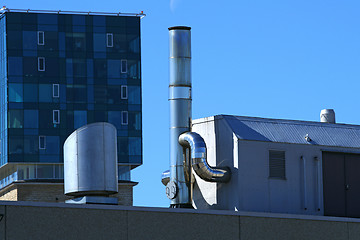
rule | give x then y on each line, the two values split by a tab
31	118
45	119
134	146
14	40
31	144
80	119
30	66
134	94
15	66
52	144
45	93
113	70
100	94
114	94
30	92
16	145
114	117
79	42
100	68
79	68
48	19
123	146
134	121
100	116
99	42
30	40
16	119
15	92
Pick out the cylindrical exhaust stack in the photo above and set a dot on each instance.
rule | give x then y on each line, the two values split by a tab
178	190
327	116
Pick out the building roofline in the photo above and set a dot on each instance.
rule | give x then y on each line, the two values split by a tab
4	9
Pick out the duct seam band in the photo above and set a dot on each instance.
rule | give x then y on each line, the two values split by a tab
179	92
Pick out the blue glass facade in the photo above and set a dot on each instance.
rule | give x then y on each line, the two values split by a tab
58	73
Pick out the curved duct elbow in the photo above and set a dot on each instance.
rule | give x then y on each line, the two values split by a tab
199	162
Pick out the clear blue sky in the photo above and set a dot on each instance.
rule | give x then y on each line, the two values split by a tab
276	59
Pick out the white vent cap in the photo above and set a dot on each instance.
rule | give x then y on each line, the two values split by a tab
327	116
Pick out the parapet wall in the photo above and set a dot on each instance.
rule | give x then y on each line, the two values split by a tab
25	220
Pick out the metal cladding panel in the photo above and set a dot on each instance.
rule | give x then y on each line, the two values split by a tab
90	160
291	131
70	164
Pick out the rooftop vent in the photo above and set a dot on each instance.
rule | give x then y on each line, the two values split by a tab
90	164
327	116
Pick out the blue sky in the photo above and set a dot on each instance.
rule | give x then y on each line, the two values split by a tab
276	59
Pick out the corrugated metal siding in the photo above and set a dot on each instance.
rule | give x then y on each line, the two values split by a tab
291	131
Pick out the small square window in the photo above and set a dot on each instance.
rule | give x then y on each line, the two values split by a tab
41	64
109	40
55	90
41	38
124	118
124	92
42	142
56	116
123	66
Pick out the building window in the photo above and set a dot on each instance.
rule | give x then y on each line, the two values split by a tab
55	90
109	40
124	92
124	118
277	164
56	116
41	38
41	64
123	66
42	142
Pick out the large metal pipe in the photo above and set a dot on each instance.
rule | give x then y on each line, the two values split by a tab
178	189
199	162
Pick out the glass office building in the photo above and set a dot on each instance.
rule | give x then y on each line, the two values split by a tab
58	72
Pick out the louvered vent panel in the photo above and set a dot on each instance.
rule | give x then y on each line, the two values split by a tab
277	164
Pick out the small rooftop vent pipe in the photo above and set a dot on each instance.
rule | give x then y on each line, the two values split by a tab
90	164
179	181
327	116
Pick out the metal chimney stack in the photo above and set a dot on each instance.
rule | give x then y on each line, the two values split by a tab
178	189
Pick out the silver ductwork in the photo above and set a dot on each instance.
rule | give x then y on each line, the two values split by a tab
179	183
178	189
199	162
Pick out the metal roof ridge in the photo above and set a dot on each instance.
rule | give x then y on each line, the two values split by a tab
291	121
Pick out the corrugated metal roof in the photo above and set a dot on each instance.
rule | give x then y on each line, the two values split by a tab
292	131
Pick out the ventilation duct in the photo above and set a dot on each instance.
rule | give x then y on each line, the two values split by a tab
90	164
179	183
199	163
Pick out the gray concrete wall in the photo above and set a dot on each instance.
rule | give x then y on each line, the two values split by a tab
25	220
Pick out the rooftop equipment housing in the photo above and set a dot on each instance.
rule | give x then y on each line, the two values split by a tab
90	164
